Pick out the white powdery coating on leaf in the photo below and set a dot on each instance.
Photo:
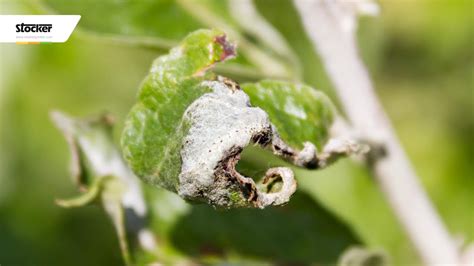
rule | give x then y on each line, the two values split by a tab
221	120
293	109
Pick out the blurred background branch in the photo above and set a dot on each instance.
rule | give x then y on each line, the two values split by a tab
331	25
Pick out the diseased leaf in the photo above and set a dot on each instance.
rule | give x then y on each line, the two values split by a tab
189	126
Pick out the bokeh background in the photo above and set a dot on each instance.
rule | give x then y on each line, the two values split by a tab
420	55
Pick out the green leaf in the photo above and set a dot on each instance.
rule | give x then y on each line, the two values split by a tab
299	112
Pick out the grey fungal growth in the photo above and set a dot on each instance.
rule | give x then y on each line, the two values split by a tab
222	123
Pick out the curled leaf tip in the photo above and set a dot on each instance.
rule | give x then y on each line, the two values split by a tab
283	195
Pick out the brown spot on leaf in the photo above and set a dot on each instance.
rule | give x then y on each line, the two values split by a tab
228	47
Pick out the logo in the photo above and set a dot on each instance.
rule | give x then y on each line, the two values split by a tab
36	29
33	27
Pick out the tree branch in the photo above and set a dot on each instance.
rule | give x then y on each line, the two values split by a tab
331	26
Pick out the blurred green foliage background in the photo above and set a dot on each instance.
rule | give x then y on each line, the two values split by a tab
420	55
